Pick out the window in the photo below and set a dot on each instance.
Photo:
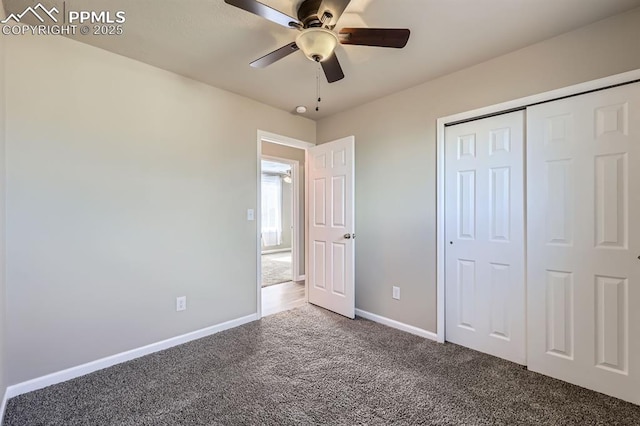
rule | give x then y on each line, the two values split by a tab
271	210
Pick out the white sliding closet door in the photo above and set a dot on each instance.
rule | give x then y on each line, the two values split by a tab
484	204
583	283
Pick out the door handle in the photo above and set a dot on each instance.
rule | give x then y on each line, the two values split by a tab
347	236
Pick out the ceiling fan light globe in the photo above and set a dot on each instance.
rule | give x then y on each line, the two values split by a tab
317	44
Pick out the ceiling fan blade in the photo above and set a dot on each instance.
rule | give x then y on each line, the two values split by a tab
274	56
380	37
332	69
265	11
335	7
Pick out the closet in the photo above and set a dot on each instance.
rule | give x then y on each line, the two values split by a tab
560	294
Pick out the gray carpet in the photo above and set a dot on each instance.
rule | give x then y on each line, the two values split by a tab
276	268
308	366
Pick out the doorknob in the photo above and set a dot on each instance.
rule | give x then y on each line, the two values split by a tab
347	236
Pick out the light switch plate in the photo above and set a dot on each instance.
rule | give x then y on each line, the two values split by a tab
181	303
250	214
396	293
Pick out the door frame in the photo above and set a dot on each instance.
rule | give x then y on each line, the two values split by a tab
264	136
497	109
295	213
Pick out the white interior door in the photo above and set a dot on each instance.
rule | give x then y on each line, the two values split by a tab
484	204
331	226
584	240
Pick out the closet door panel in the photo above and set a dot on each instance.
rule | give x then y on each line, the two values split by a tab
485	290
583	240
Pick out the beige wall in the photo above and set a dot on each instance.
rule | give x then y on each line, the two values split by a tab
289	153
396	155
118	202
282	151
287	214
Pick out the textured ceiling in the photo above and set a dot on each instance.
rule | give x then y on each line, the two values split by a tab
213	42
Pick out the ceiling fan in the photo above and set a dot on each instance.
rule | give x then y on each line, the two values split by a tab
317	40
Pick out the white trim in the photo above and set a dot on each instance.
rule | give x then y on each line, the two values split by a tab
5	398
282	250
396	324
283	140
307	162
258	218
440	232
294	143
90	367
493	109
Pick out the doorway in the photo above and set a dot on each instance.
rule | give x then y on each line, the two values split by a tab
283	287
327	225
278	230
281	226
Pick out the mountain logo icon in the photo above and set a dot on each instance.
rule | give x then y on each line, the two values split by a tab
34	11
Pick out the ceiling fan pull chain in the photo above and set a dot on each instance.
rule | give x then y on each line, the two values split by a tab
318	88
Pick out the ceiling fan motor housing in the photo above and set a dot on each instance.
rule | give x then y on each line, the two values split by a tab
308	13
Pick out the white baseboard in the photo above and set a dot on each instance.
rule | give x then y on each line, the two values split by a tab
4	406
300	277
274	251
397	325
90	367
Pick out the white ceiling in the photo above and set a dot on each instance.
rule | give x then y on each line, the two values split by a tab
214	43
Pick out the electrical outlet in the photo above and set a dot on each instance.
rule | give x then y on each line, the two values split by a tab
396	293
181	303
